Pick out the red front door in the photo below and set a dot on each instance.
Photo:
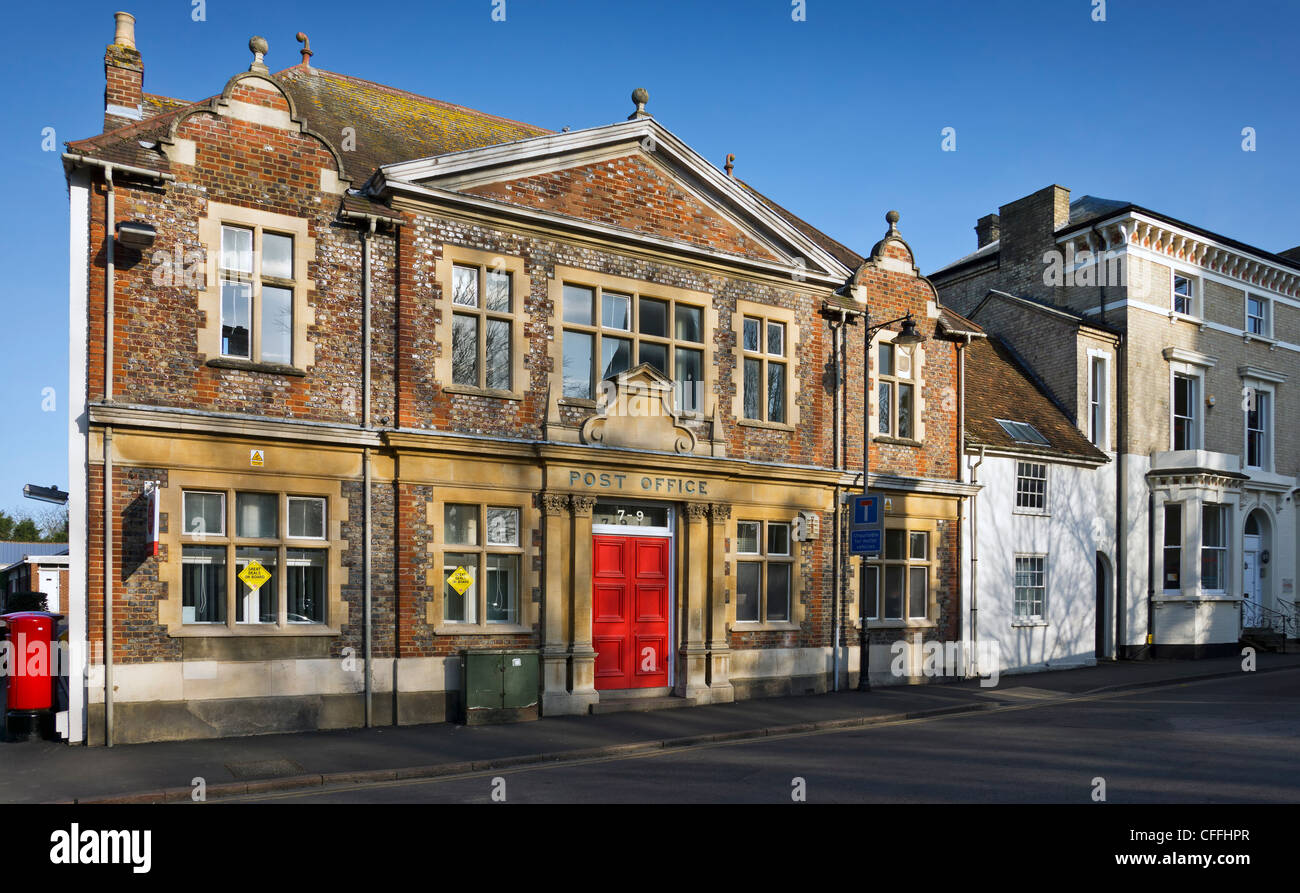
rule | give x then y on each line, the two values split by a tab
629	611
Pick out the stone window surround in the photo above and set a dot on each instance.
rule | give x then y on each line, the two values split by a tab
1266	383
918	380
529	520
733	557
1192	364
767	312
169	571
562	274
763	557
928	526
209	298
520	291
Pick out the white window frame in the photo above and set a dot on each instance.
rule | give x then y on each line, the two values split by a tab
1197	378
1100	438
1194	298
289	499
1253	389
1029	618
1225	528
258	281
1023	465
482	549
914	379
1180	544
1266	326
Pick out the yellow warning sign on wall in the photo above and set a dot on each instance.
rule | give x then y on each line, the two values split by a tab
254	575
460	580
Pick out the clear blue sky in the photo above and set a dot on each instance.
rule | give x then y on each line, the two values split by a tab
838	117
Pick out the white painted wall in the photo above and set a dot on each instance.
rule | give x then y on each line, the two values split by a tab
1079	523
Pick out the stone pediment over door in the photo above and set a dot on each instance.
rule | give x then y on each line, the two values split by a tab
637	410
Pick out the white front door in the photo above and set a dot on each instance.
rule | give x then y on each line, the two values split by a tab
1251	584
50	586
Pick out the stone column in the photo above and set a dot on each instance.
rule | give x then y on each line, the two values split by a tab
555	628
582	655
693	657
721	690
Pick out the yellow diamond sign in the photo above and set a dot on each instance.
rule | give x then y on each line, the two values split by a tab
254	575
460	580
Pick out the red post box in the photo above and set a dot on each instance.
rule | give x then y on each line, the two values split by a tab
32	664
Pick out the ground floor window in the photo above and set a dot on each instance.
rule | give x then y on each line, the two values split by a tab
267	550
764	572
1031	587
483	541
897	587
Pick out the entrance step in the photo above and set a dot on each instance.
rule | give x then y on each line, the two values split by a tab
1263	639
640	705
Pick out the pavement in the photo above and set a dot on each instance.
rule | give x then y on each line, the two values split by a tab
50	772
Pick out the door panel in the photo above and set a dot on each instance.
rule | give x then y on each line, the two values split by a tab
630	610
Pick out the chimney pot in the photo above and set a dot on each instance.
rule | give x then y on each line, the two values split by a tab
124	35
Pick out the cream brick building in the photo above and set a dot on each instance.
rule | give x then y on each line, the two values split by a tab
1177	351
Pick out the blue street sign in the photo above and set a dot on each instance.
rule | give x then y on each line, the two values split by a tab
866	510
864	542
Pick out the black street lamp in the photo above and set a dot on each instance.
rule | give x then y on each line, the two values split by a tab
908	335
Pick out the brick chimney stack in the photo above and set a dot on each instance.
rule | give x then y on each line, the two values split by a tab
123	76
988	230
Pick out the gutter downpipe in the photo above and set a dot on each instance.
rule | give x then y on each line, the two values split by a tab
974	567
366	236
961	450
1121	505
110	211
837	343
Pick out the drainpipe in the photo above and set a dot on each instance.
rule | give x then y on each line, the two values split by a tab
1151	572
110	211
366	237
975	567
837	332
961	449
1121	495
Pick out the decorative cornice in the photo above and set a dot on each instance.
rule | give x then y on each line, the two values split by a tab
1137	230
1183	355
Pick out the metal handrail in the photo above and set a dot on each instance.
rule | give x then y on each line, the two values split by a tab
1282	619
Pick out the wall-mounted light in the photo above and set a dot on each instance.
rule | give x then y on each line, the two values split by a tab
136	235
1209	401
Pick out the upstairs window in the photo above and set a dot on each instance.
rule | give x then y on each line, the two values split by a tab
895	391
763	351
1259	437
1259	316
1186	433
257	277
482	301
607	332
1098	410
1184	296
1031	486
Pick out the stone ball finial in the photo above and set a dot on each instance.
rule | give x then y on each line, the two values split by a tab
640	96
892	219
259	46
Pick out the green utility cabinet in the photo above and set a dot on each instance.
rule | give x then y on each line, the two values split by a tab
500	685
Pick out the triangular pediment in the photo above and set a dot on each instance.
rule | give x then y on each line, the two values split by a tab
633	179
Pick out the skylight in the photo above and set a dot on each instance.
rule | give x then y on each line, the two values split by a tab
1023	432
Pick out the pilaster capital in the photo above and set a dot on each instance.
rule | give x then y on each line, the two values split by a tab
582	505
552	504
721	511
697	511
